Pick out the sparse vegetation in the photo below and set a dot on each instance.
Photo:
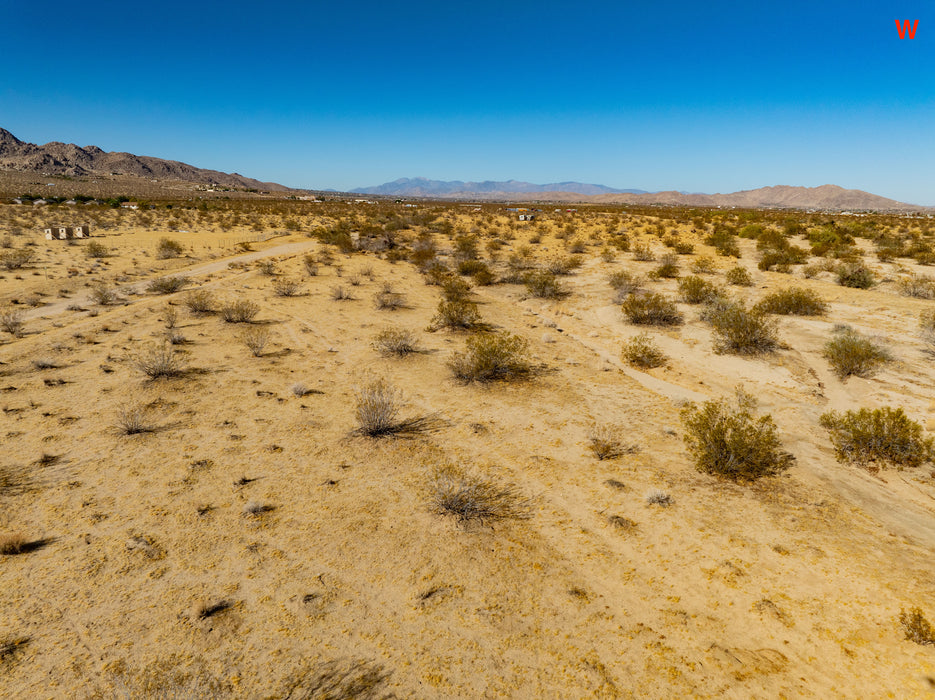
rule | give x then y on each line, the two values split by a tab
398	342
475	499
103	295
455	315
133	419
851	354
545	285
728	441
625	282
11	321
606	442
916	627
158	361
167	248
199	301
377	409
739	330
240	311
738	276
94	249
286	287
855	275
389	299
880	436
168	285
695	290
492	357
256	339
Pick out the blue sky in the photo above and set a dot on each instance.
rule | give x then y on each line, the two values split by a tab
701	97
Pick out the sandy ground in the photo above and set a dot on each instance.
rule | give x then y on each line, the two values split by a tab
790	587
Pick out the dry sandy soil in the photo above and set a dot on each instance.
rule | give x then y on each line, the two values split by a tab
251	546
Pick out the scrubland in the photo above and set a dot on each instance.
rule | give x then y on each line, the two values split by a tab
273	449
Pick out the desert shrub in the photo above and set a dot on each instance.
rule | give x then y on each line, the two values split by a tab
311	265
10	648
158	361
377	410
344	679
738	276
726	440
484	278
704	266
255	339
855	275
167	248
168	285
651	310
916	627
286	287
11	321
133	419
169	316
625	282
608	255
792	301
606	442
239	311
695	290
472	498
386	298
850	353
543	284
668	267
724	243
199	301
16	259
266	267
103	295
881	436
642	252
782	259
341	293
917	286
472	267
454	289
642	352
564	265
655	497
94	249
456	315
492	357
740	330
398	342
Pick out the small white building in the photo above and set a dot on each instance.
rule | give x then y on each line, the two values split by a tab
62	233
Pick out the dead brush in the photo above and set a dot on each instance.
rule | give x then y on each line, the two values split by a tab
199	301
286	287
158	361
11	320
133	419
168	285
606	442
103	295
241	311
388	299
338	680
475	499
378	404
10	647
340	293
396	342
255	339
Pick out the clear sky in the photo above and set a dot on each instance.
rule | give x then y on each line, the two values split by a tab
700	97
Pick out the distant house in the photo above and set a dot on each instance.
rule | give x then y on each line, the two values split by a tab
38	202
62	233
17	201
130	205
527	217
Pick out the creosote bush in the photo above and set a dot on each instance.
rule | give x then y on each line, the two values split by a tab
739	330
377	409
916	627
167	248
158	361
625	282
850	353
94	249
199	301
651	310
881	436
695	290
398	342
726	440
668	267
793	300
738	276
855	275
492	357
641	351
455	315
545	285
168	285
240	311
475	499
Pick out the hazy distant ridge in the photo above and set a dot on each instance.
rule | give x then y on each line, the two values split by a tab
422	187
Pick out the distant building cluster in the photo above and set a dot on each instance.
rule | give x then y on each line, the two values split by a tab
65	232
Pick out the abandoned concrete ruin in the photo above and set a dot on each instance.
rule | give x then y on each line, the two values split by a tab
65	232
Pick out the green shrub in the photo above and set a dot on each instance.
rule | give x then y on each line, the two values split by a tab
855	275
738	276
668	267
724	243
168	285
882	436
641	351
454	289
781	259
728	441
459	314
565	265
695	290
545	285
625	282
793	301
642	252
492	357
472	267
651	310
167	248
740	330
704	266
849	353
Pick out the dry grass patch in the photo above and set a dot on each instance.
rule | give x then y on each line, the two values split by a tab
880	436
133	419
158	361
472	498
199	301
255	339
396	342
339	680
378	404
606	442
240	311
916	627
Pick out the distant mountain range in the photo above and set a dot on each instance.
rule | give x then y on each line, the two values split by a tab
58	158
825	197
422	187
